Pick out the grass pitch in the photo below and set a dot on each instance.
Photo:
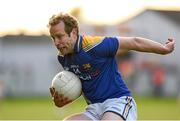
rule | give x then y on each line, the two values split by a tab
44	109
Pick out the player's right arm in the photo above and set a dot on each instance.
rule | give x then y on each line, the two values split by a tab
145	45
59	99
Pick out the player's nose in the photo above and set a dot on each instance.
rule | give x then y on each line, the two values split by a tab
56	41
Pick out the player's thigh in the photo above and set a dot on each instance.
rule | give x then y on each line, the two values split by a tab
111	116
80	116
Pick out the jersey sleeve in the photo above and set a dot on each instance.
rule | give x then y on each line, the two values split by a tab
108	47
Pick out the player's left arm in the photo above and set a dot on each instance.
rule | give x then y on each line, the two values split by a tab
145	45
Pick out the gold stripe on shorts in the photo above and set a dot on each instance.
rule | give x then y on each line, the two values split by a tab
127	107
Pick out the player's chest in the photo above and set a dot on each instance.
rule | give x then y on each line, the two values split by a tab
84	65
81	61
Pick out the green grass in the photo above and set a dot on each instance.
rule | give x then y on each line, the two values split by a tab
37	108
43	108
158	109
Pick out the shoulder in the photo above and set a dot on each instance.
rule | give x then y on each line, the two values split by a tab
101	46
89	42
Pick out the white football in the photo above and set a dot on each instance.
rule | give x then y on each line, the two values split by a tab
68	84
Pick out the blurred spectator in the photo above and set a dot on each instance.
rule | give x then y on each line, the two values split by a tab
127	68
158	78
2	91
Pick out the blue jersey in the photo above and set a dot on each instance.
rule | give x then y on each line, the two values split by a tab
95	64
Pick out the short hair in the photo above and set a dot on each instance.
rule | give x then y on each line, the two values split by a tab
70	22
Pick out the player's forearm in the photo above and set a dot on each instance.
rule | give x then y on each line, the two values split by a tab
147	45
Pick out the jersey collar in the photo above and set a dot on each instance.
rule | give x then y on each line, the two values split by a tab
78	45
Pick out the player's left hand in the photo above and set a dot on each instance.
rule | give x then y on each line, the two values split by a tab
169	45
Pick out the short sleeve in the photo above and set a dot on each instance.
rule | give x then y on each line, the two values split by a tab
108	47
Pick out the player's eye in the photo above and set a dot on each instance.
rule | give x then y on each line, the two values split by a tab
60	36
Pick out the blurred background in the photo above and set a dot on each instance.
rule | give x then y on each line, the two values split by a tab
28	59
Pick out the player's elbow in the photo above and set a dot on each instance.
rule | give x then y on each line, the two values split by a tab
137	44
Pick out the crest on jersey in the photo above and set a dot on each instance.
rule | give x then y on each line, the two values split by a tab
86	66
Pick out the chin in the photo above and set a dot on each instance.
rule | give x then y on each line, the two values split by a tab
64	53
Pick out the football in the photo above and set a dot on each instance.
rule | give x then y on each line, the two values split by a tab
68	84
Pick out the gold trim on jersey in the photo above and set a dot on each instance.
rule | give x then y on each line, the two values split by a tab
90	42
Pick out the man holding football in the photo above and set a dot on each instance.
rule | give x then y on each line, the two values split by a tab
92	59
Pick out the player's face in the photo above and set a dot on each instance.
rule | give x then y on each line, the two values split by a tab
63	42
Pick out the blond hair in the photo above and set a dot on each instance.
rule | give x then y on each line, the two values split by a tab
69	21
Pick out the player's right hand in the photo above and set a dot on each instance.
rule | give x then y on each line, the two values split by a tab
58	99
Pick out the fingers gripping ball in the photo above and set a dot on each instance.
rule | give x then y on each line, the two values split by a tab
67	84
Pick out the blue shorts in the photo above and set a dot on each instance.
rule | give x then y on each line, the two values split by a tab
124	106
